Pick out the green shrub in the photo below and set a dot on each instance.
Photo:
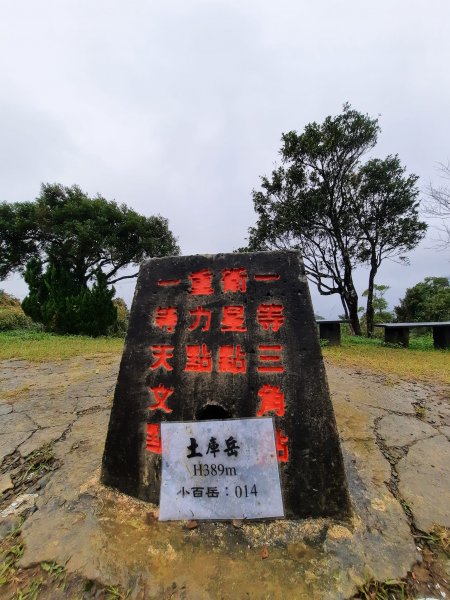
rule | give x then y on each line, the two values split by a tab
120	327
14	318
64	304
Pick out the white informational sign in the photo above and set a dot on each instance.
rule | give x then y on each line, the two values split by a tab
220	470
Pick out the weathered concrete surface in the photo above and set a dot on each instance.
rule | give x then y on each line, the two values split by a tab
424	481
5	483
446	431
114	539
401	430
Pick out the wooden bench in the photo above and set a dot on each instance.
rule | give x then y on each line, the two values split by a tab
398	333
330	330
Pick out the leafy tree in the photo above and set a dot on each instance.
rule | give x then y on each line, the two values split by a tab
65	225
438	207
428	300
386	211
380	304
17	237
323	201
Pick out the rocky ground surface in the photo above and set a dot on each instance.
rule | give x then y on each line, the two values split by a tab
63	535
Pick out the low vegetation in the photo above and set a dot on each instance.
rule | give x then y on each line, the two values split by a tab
438	539
384	590
47	579
11	314
418	362
41	347
37	464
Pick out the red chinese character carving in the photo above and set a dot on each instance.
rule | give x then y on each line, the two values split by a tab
154	438
231	359
201	283
166	317
167	282
272	398
200	313
161	394
198	359
162	354
267	277
281	445
234	280
233	319
270	316
273	356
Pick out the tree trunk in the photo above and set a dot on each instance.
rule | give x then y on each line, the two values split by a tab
344	306
351	296
352	303
369	307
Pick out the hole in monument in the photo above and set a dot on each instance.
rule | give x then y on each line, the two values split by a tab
211	412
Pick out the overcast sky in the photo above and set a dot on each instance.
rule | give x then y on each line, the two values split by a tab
177	107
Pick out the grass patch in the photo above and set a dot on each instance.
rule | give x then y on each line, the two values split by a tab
41	347
418	362
37	464
384	590
11	550
55	570
438	538
31	592
115	592
421	411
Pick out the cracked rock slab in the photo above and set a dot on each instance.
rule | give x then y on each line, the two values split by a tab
10	441
17	423
5	483
424	481
108	536
400	430
5	409
446	431
39	438
21	504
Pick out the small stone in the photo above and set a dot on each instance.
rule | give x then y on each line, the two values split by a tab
21	504
9	524
5	483
264	553
238	523
191	525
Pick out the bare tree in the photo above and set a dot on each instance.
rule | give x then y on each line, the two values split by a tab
438	207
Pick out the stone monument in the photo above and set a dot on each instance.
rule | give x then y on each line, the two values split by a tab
220	337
